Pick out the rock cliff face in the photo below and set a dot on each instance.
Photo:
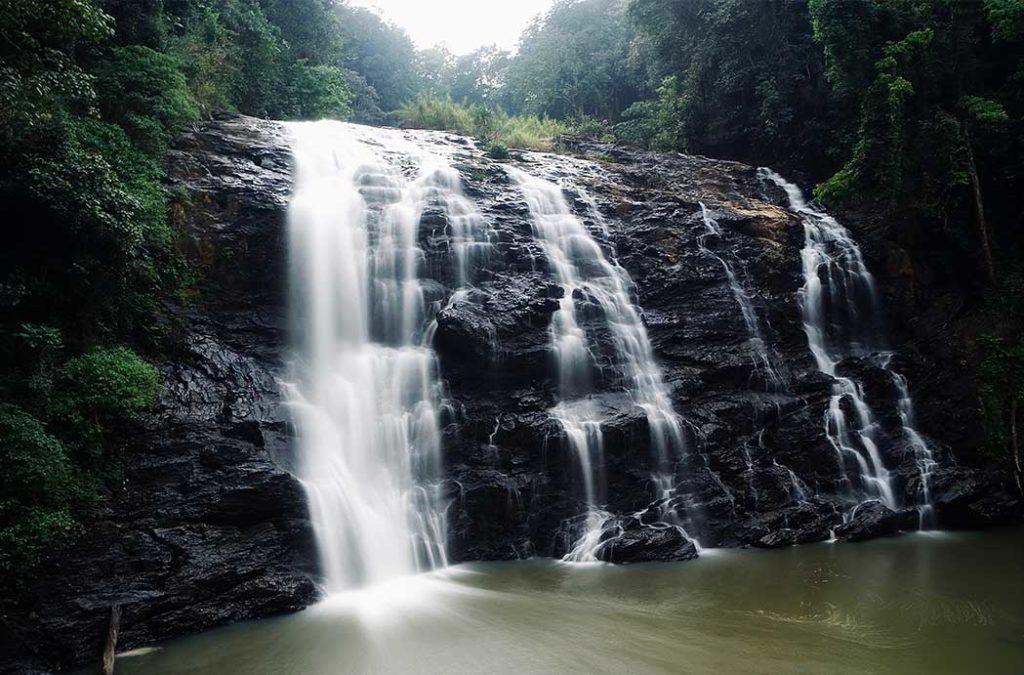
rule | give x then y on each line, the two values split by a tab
762	470
208	527
211	527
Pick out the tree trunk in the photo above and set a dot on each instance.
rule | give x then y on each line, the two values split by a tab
1015	443
110	649
979	205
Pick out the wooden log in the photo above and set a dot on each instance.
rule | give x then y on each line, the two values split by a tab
110	650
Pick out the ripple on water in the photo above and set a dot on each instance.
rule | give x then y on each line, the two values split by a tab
912	605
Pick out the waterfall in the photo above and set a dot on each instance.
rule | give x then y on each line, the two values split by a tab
471	236
759	348
923	455
587	278
842	319
364	391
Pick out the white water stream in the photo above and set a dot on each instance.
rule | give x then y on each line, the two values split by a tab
364	389
586	276
842	319
759	349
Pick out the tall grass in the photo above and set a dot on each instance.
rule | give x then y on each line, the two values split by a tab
494	127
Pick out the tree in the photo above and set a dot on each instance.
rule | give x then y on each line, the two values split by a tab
381	53
932	91
574	62
480	77
39	489
1001	369
749	77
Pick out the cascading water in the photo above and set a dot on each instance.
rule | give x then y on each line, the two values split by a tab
842	319
759	348
922	450
586	276
364	388
471	236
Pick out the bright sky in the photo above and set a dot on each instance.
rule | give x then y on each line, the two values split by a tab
462	25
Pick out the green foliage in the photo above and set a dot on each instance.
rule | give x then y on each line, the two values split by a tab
498	151
1007	19
575	61
311	28
84	199
427	112
145	92
846	31
591	127
838	190
264	58
32	27
99	391
208	58
929	99
525	131
50	479
657	124
479	77
747	81
83	126
382	54
492	126
93	244
1001	356
40	338
42	347
40	487
38	73
985	110
1002	381
318	92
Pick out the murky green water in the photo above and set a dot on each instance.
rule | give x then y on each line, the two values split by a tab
918	604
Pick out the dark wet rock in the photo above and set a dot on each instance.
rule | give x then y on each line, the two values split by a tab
967	498
874	519
210	526
803	523
648	544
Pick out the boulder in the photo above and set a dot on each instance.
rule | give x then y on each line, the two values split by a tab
652	543
873	519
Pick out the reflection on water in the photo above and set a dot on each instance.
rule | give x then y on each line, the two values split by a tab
923	603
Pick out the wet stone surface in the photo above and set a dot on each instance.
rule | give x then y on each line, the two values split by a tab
211	526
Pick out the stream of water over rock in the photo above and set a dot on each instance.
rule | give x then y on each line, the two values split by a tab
365	392
842	319
588	278
759	348
547	360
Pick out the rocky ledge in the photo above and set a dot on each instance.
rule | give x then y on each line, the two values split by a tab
210	526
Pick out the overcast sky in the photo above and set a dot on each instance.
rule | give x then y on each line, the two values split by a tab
462	25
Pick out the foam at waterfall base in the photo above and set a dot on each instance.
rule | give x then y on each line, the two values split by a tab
397	600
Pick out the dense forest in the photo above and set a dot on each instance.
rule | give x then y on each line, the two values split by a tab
911	109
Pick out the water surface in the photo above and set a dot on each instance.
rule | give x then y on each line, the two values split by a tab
939	603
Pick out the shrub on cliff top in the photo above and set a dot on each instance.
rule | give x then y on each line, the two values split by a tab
493	126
